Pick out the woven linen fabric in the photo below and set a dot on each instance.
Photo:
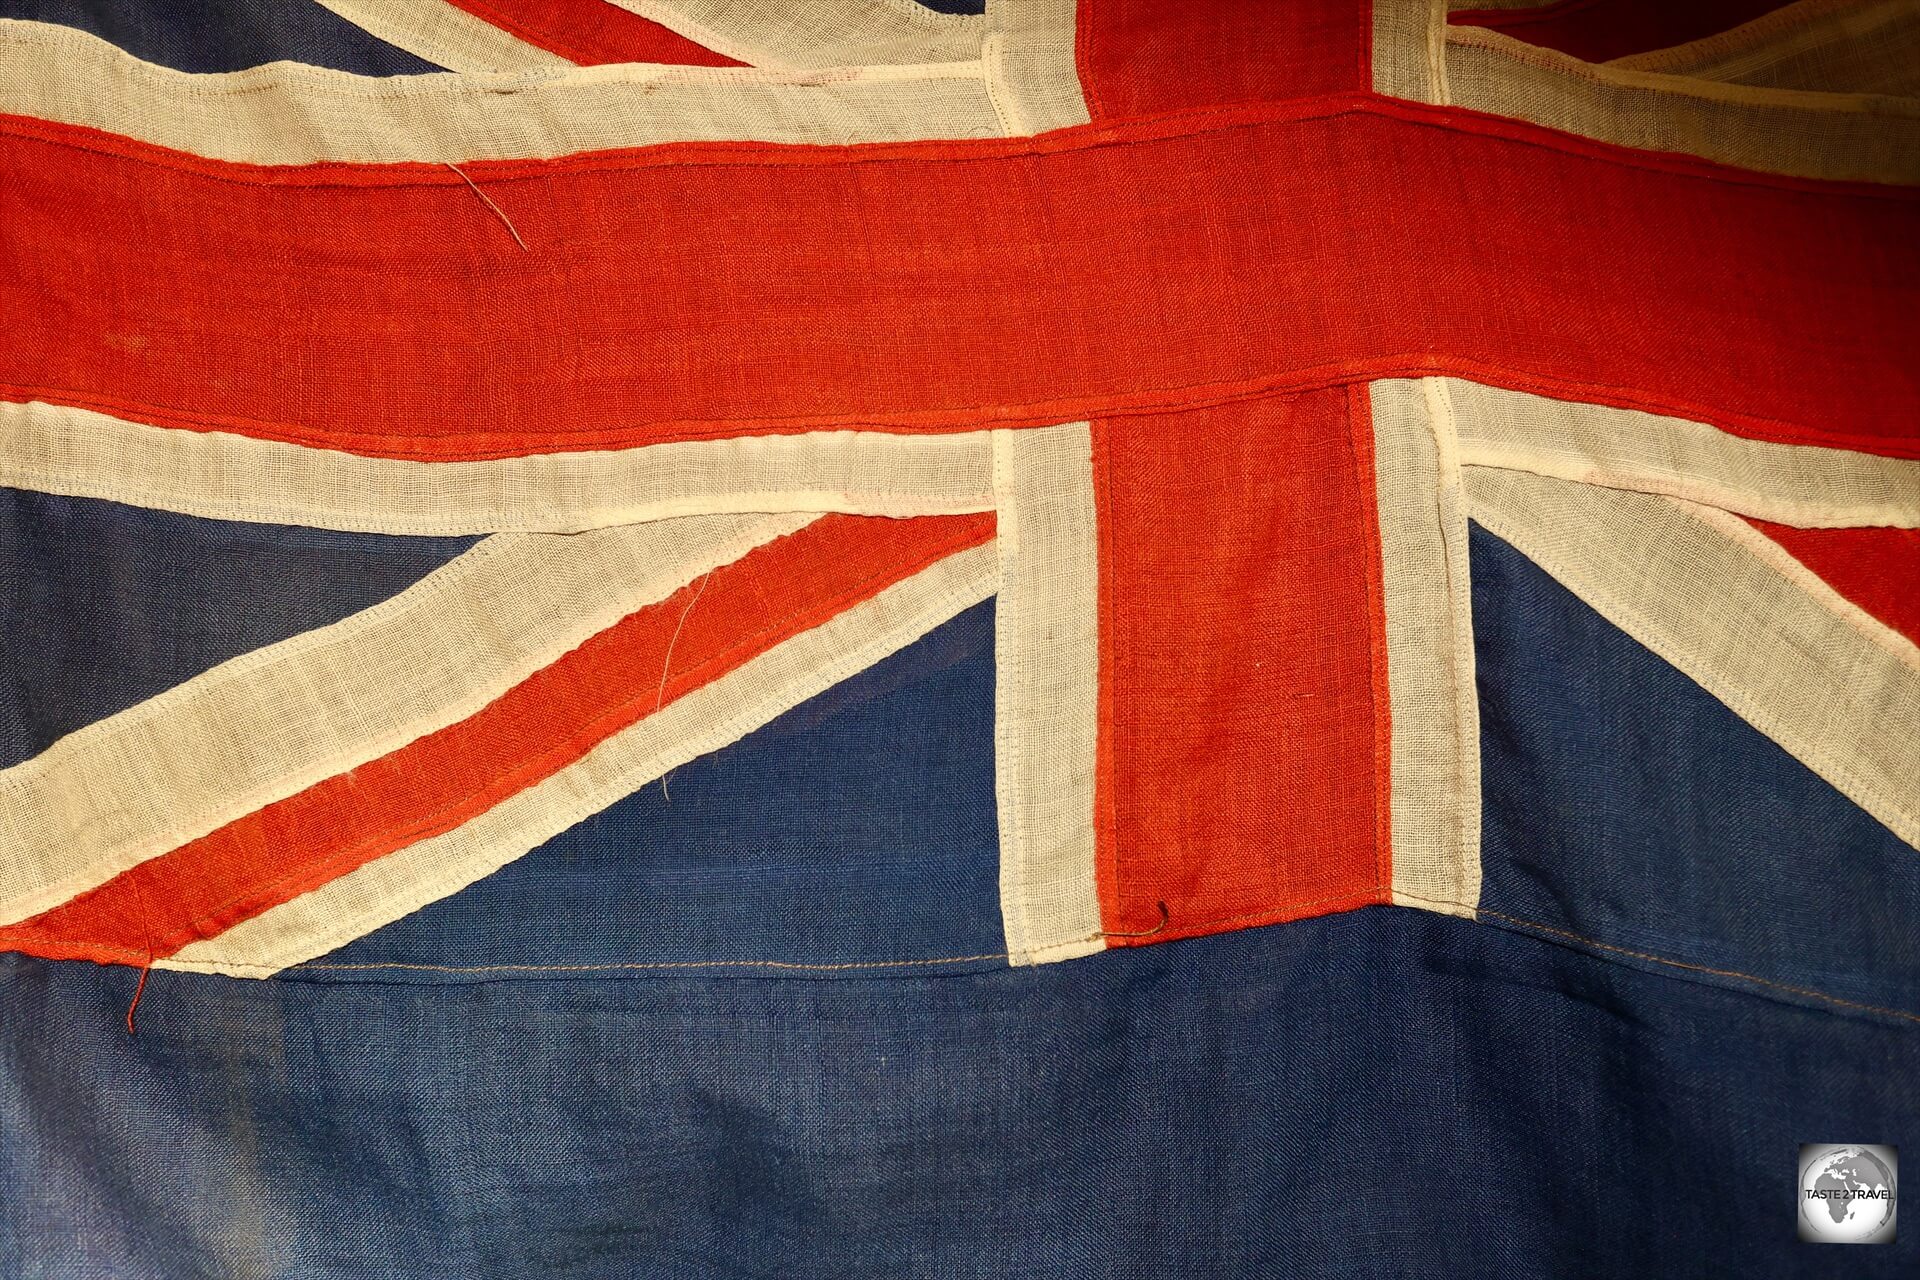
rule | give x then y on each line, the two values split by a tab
1027	638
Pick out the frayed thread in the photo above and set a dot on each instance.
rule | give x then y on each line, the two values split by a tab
487	200
666	665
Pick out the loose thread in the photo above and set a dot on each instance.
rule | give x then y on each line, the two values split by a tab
487	200
666	666
146	934
139	989
1144	933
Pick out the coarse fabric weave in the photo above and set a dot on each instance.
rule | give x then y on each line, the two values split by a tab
989	638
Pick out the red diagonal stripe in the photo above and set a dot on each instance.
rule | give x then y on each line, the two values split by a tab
1877	569
696	290
592	32
536	729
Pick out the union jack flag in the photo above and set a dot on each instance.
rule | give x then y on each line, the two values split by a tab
1041	638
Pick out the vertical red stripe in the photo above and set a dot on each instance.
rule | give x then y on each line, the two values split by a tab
1240	769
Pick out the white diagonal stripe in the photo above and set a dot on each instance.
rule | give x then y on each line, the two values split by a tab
1831	46
1627	449
1668	574
705	720
1839	136
273	722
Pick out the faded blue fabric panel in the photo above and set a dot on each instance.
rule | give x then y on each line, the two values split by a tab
857	828
1383	1093
1624	802
226	35
956	6
104	605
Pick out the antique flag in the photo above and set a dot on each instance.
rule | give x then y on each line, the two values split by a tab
1120	638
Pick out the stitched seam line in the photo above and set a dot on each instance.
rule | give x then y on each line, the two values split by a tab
1359	433
1151	128
1462	697
993	73
665	964
973	417
1688	966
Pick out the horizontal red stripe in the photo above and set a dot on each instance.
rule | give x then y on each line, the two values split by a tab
695	290
1597	30
1877	569
532	732
592	32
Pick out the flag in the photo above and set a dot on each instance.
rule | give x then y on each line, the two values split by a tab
874	638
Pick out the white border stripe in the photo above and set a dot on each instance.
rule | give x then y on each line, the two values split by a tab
1409	49
1830	136
1627	449
1825	45
819	33
1435	772
445	35
275	721
707	719
287	114
79	453
1667	573
1046	692
1031	68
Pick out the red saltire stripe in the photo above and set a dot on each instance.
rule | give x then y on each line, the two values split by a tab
592	32
1597	30
1242	774
536	729
1877	569
699	290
